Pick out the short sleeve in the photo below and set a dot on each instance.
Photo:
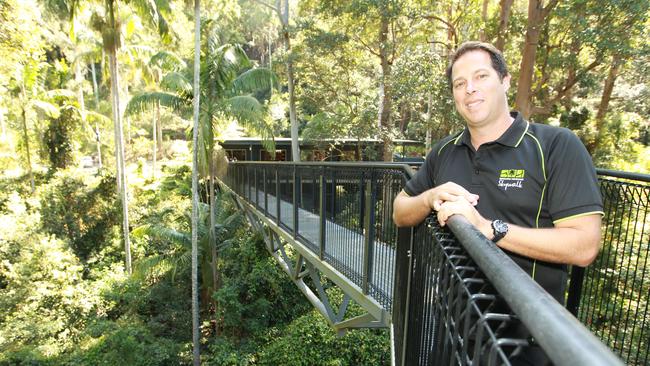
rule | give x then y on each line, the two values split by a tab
571	177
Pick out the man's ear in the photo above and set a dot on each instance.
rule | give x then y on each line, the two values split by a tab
506	82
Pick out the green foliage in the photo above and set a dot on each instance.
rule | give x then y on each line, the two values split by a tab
255	292
81	214
58	137
44	302
127	344
308	341
619	148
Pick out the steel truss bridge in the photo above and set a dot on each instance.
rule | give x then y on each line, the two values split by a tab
448	295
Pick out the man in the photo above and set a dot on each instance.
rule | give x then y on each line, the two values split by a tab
530	188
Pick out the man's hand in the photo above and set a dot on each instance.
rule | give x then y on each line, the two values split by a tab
465	208
449	191
410	211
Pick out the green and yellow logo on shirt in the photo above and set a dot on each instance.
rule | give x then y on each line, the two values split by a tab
511	178
512	174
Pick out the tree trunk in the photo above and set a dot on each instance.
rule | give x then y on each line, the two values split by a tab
536	17
572	73
405	117
484	19
213	236
27	152
155	148
97	135
80	92
504	17
295	147
384	92
603	107
195	184
271	59
159	131
115	85
427	140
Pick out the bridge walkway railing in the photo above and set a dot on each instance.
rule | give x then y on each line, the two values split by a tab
337	218
340	226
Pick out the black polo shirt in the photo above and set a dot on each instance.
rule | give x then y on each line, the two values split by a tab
533	176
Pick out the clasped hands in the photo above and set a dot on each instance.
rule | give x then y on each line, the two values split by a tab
451	199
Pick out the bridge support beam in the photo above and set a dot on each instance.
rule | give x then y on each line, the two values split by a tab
308	263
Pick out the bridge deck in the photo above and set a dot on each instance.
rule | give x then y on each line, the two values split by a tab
344	247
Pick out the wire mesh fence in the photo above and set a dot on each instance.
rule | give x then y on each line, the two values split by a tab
615	293
455	315
342	212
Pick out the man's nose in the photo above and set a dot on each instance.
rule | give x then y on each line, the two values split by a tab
470	89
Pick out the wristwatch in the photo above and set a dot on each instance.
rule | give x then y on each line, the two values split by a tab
499	229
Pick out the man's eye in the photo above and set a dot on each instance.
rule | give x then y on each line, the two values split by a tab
459	84
482	76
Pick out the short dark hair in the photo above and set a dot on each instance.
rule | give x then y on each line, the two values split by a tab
498	61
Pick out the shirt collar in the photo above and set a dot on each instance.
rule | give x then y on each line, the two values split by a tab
512	137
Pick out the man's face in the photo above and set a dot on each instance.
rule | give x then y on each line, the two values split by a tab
479	94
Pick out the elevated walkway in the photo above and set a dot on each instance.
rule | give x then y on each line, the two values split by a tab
330	224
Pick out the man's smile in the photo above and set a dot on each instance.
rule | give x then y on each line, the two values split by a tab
473	104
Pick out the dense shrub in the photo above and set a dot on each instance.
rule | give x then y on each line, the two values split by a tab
130	344
85	216
309	341
44	302
255	292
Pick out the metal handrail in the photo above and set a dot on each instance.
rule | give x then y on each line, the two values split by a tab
553	327
563	336
625	175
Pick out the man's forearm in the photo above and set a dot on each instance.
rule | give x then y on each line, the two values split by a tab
575	242
576	245
410	211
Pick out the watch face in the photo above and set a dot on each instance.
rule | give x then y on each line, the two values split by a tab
500	226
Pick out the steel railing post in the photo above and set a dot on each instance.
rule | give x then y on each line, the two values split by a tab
362	201
368	236
277	195
323	213
575	289
266	194
257	194
295	201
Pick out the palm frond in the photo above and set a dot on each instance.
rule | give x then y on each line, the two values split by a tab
163	233
149	100
183	260
60	93
246	109
167	61
149	265
177	82
137	50
89	56
259	78
98	117
222	67
251	113
46	108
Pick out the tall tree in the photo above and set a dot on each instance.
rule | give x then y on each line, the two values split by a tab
281	8
110	27
195	185
537	13
504	17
